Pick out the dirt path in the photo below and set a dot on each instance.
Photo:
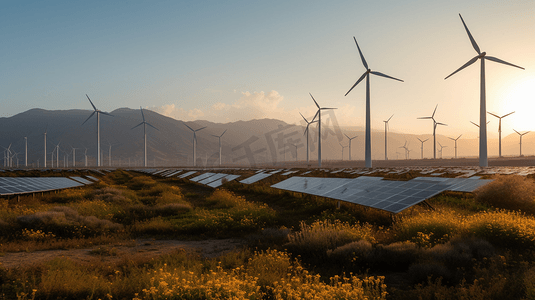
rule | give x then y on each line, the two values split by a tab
142	248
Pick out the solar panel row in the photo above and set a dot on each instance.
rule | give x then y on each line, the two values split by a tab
392	196
24	185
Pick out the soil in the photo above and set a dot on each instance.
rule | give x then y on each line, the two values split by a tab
134	249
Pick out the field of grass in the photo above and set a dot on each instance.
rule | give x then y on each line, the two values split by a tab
470	246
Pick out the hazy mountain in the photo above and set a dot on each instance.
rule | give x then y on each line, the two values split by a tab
244	143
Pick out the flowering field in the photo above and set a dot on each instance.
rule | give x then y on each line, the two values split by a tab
298	246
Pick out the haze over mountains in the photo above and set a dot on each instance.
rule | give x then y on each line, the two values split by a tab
245	143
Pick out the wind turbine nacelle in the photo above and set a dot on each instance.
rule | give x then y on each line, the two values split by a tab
482	54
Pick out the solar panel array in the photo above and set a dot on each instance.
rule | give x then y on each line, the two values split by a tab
255	178
24	185
388	195
187	174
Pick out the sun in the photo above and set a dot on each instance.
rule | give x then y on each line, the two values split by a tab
520	98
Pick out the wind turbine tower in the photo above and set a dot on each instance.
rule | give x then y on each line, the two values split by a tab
521	135
318	113
422	147
44	162
455	143
483	158
342	150
441	149
350	139
306	130
98	112
435	123
194	143
500	130
386	137
26	151
144	123
368	138
219	137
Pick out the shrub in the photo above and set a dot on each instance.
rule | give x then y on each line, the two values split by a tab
110	195
315	239
422	272
396	256
171	209
513	192
428	229
224	199
66	222
357	253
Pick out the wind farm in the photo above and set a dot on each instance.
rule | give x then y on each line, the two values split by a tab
241	187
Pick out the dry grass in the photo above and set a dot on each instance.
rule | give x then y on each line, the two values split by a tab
512	192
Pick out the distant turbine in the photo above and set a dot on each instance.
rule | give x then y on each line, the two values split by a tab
219	137
441	149
422	147
144	123
455	143
478	125
109	156
98	112
319	127
350	139
368	139
386	137
85	154
73	157
500	129
295	145
435	123
44	164
483	158
26	151
194	143
406	149
306	130
342	150
521	135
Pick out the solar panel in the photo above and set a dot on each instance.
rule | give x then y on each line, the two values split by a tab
202	176
21	185
92	178
212	178
255	178
187	174
219	181
81	180
174	173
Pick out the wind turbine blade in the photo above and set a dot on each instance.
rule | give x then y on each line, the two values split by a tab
473	60
384	75
137	125
188	127
426	140
303	117
508	114
517	132
434	111
105	113
419	139
389	118
314	100
142	115
314	119
91	102
451	138
361	56
502	62
347	136
200	128
458	137
324	108
152	126
474	44
89	116
425	118
223	132
358	81
474	123
493	115
441	124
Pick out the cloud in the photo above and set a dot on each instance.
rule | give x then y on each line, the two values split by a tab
256	105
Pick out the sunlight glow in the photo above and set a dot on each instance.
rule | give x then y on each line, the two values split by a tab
521	98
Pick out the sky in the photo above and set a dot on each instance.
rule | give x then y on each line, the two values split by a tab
225	61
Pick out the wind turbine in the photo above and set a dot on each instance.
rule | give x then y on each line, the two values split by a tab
306	129
295	145
386	138
521	135
405	147
455	143
368	139
144	123
44	162
26	151
441	149
422	147
483	158
319	127
435	123
73	156
478	125
219	137
350	139
194	143
342	150
85	155
98	112
500	129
